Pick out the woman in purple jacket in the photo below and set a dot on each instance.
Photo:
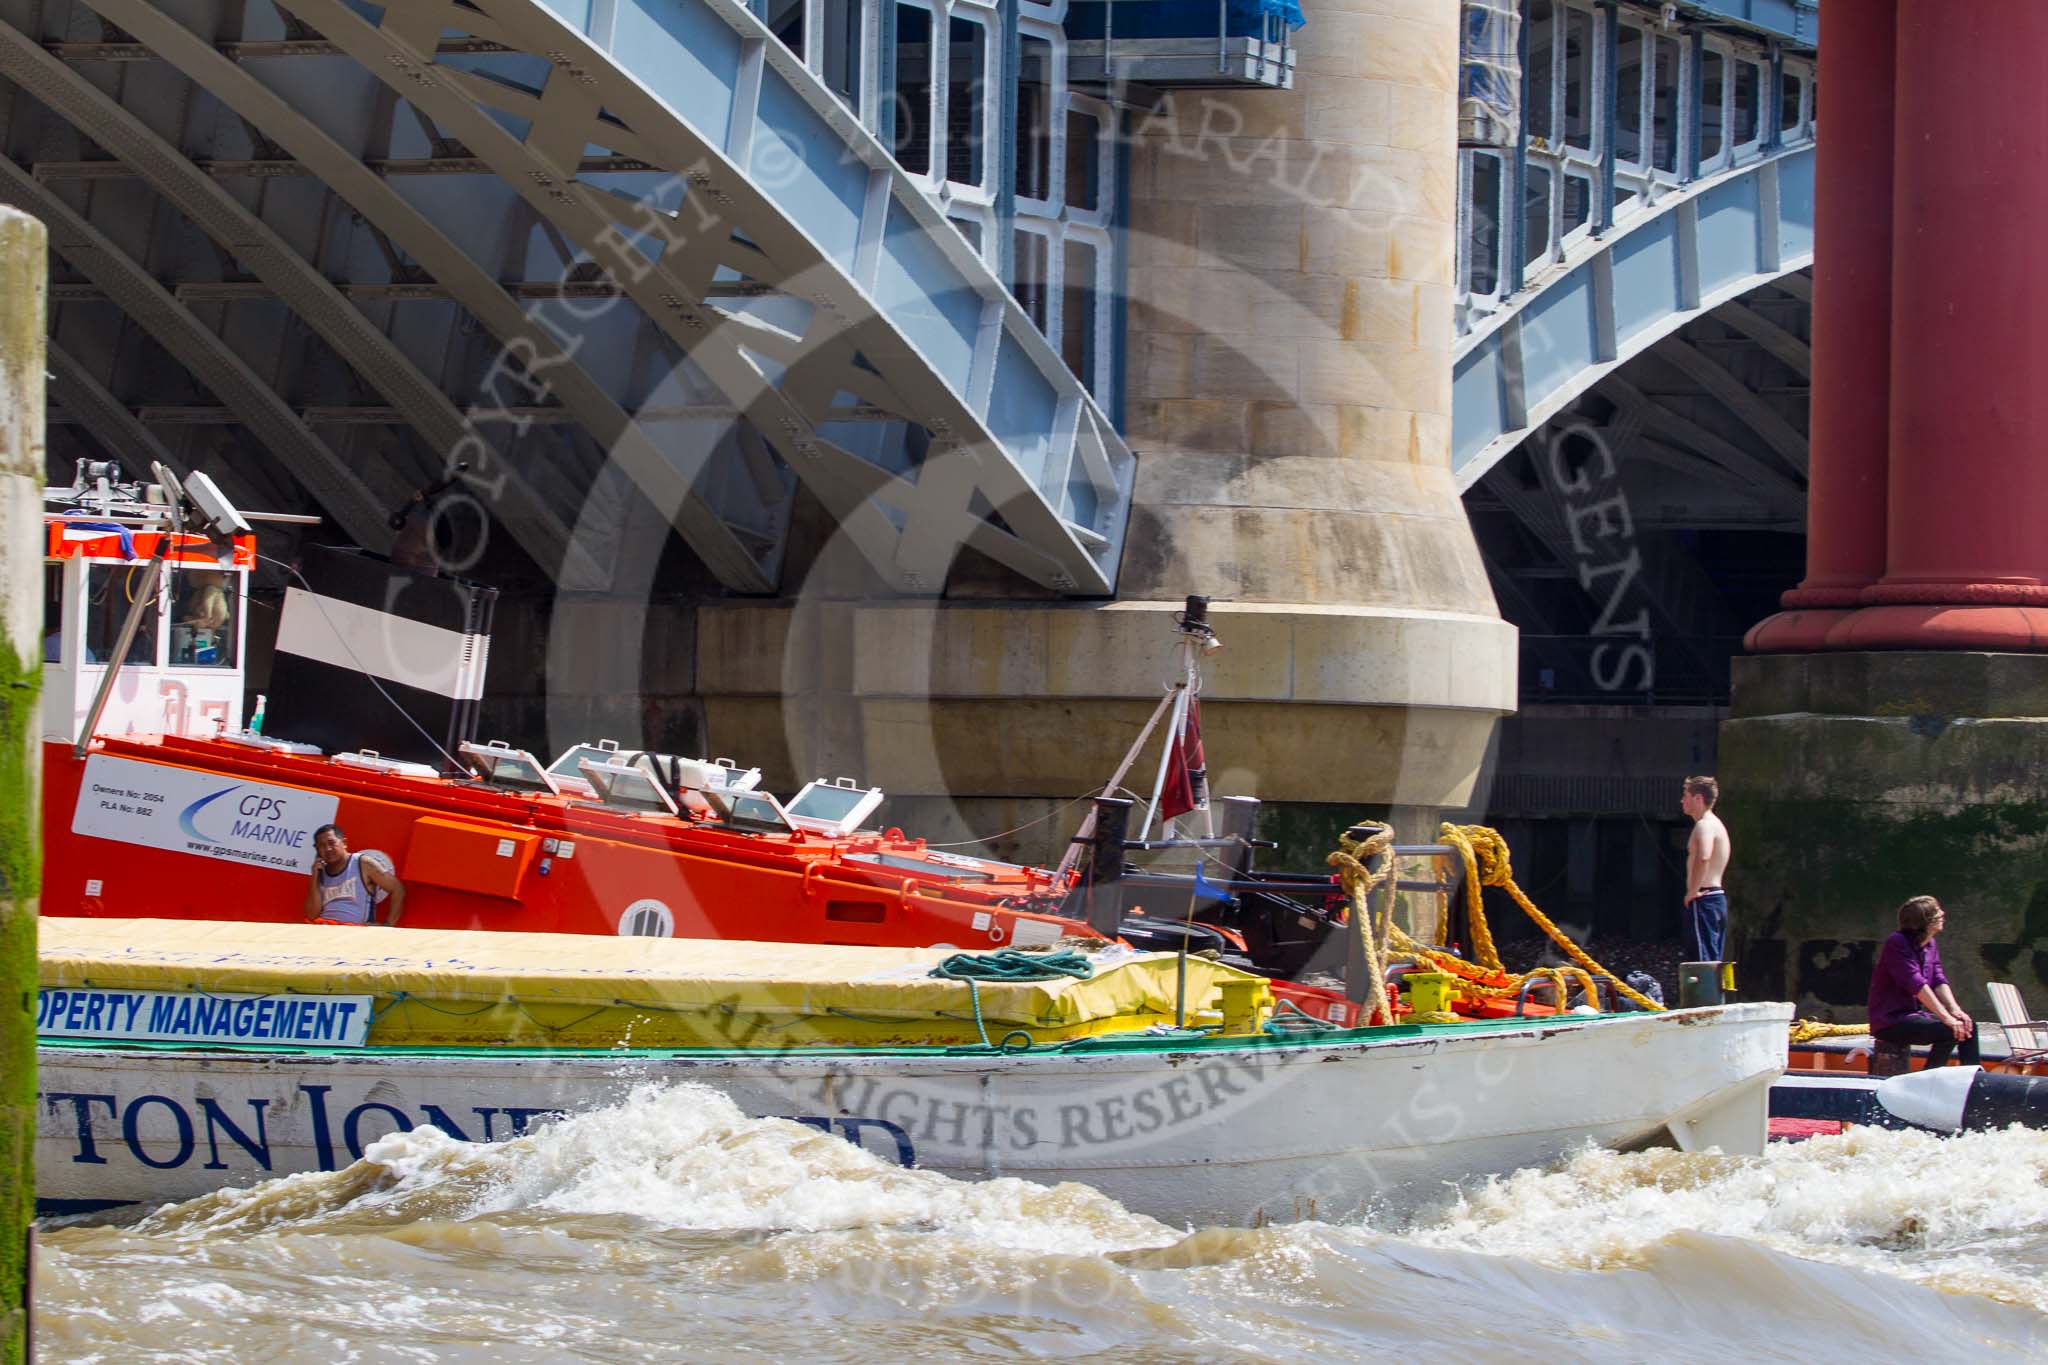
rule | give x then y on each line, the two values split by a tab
1910	1001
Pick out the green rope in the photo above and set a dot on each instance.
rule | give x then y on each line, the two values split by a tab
1010	964
1014	964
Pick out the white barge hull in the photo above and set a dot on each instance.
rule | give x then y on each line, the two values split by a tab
1209	1134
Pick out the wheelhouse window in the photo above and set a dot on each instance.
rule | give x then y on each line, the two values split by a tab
109	590
203	611
53	613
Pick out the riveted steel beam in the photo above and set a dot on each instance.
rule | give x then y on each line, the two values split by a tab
240	51
667	477
521	415
850	343
425	408
1758	475
333	482
1788	441
89	403
1793	353
239	291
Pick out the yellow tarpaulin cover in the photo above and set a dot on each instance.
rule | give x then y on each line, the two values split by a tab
487	987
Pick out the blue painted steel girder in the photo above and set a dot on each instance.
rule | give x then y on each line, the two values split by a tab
1793	21
1621	294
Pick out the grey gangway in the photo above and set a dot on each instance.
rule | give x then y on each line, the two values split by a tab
1658	172
749	295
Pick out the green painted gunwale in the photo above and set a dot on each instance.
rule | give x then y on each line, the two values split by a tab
1112	1044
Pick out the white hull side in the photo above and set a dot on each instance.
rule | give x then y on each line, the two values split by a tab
1201	1136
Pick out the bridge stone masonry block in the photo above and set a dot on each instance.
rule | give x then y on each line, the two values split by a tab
1851	781
1291	264
1289	373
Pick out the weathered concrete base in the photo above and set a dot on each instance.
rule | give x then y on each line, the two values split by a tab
1035	830
1851	781
1359	707
1329	704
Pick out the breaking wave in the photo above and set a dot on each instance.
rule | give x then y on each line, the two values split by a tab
671	1222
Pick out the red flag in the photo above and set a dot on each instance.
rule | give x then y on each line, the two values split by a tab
1197	761
1177	794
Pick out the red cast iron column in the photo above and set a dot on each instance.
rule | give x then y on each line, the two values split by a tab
1966	545
1852	275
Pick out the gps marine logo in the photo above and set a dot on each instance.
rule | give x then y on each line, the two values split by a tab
257	817
184	810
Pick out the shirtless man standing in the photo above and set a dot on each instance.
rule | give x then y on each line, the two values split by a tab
1706	861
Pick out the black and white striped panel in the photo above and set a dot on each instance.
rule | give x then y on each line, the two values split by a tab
363	638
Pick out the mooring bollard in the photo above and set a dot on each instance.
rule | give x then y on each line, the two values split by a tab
1699	983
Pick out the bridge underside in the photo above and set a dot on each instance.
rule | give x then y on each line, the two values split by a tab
640	273
1632	539
1642	528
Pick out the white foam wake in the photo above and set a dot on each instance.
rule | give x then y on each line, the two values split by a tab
1946	1211
674	1156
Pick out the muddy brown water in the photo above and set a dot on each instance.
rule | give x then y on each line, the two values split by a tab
670	1227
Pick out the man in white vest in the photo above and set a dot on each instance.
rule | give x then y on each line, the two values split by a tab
347	886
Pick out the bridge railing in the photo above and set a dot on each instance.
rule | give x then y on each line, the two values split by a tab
1619	109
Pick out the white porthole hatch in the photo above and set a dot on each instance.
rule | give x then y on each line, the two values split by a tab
647	919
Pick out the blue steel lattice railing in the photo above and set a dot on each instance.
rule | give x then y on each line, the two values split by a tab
1620	109
1658	172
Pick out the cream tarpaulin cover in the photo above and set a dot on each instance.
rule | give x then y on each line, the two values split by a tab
834	986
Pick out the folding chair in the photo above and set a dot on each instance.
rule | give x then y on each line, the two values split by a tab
2026	1038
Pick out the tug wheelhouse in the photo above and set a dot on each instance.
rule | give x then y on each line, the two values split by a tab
182	671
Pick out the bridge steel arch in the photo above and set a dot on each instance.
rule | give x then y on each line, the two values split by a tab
1618	295
667	483
785	188
334	484
105	416
529	515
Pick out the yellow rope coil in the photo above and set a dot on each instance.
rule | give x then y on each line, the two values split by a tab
1806	1030
1486	864
1352	860
1485	855
1460	837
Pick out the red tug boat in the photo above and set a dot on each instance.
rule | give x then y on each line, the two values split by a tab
191	814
